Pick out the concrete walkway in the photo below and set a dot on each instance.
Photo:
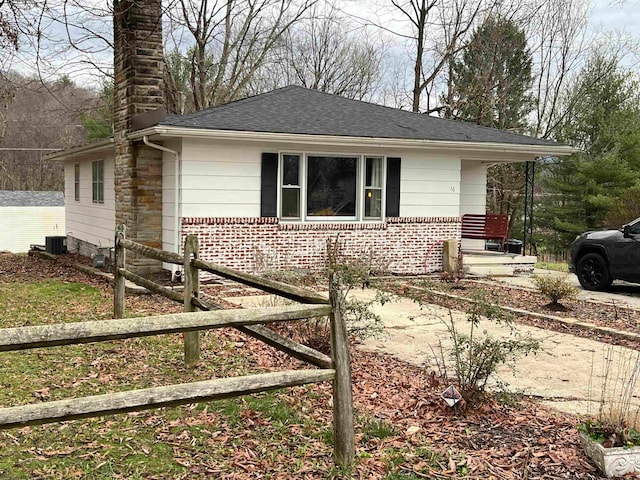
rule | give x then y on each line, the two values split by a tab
561	374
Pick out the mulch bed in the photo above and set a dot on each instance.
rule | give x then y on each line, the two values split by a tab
493	442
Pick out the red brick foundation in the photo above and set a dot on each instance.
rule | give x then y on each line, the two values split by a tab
410	245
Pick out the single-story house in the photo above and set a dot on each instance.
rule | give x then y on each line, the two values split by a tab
264	181
27	218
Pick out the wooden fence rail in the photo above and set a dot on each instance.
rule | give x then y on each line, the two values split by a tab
144	399
198	315
35	336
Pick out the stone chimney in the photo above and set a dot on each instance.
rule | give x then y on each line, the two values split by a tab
139	88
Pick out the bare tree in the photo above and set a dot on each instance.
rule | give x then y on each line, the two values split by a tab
73	35
42	118
559	41
231	40
438	29
326	52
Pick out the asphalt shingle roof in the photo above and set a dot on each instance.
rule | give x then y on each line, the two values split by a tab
17	198
299	110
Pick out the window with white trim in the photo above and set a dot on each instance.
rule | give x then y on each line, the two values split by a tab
373	187
76	182
97	181
291	187
330	187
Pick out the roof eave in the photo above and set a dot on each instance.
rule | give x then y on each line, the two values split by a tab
172	131
88	148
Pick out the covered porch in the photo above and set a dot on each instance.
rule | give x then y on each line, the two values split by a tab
487	243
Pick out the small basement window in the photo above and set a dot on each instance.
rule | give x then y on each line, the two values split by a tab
97	181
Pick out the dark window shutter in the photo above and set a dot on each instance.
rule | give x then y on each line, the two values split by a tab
269	185
393	187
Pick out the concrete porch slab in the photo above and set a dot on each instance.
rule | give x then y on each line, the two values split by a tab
485	263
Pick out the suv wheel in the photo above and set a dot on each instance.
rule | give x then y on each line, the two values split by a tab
593	272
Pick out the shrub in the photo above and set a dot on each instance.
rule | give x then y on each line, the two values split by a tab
617	422
476	356
555	287
356	272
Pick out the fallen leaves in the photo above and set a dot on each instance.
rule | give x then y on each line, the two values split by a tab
284	435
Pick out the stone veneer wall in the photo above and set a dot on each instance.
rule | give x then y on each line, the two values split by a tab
399	245
139	88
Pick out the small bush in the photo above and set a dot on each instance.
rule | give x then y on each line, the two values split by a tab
555	288
350	272
477	356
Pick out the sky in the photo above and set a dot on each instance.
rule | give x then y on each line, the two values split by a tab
615	15
622	16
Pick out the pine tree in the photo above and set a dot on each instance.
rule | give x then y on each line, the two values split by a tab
492	79
582	189
491	87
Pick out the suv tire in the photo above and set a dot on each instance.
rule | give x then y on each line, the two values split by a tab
593	272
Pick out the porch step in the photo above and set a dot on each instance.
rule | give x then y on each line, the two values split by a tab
498	264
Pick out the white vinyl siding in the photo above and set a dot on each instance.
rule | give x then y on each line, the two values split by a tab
85	220
429	185
473	196
168	196
220	179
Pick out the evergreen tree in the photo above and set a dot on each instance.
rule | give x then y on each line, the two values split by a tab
491	80
98	122
491	87
605	124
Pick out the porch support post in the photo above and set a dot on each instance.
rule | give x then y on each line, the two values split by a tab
527	235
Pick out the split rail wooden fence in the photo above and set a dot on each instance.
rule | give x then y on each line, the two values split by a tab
198	315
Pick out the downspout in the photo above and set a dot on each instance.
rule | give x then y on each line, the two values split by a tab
177	207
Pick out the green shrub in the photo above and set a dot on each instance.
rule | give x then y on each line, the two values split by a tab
556	288
476	356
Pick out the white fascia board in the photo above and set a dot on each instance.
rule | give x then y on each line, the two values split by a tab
248	136
90	147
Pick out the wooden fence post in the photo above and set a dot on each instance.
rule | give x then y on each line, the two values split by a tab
118	279
343	434
191	288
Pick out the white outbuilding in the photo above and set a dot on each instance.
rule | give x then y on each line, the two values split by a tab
27	218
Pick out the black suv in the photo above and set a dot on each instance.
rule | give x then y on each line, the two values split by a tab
599	258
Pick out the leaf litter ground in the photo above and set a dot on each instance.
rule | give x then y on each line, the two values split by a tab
404	430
